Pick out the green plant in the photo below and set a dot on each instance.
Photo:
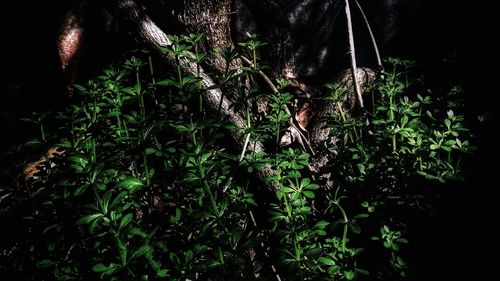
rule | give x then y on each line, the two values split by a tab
145	189
406	138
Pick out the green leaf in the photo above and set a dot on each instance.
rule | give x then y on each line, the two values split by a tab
313	251
49	228
135	231
309	194
130	184
143	250
166	82
118	199
305	210
188	256
355	228
99	267
44	263
446	148
326	261
113	114
122	250
130	90
349	275
403	240
450	142
162	273
80	190
387	244
112	268
87	219
93	226
361	216
298	202
362	271
305	181
32	142
333	270
312	186
125	220
321	224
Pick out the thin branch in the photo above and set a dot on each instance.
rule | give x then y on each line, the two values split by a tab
264	76
245	145
372	37
352	51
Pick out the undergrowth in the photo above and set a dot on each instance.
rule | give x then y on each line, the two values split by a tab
145	187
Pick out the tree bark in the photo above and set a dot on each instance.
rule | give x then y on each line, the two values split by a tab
211	18
320	131
70	41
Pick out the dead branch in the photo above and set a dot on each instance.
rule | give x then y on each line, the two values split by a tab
352	51
372	37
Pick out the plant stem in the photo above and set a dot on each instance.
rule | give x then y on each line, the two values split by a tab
391	117
42	132
142	107
213	203
193	132
94	113
179	72
94	154
394	146
141	98
344	119
146	167
373	103
119	123
346	220
245	145
247	138
254	55
341	110
151	72
278	125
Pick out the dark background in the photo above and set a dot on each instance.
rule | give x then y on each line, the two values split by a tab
459	242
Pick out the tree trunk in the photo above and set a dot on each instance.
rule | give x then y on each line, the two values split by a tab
211	18
274	28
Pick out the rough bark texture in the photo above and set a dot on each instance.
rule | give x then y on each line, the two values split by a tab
70	40
320	132
211	18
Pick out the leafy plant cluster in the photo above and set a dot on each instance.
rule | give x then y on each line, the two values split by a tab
144	187
388	157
